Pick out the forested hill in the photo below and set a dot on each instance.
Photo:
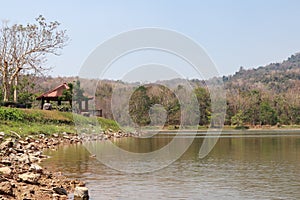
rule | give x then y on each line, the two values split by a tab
262	96
277	77
266	95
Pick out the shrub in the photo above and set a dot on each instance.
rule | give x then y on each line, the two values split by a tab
13	114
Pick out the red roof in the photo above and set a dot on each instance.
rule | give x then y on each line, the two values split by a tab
56	92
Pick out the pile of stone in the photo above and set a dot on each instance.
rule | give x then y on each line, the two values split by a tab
21	176
106	135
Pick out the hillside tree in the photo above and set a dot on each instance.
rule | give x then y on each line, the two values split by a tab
23	49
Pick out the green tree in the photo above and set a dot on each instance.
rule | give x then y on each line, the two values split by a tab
295	114
77	96
139	105
204	101
67	95
267	114
282	109
238	119
251	106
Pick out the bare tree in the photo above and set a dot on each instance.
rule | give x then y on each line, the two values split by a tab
23	48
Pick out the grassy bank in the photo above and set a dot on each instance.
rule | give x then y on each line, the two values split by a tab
33	121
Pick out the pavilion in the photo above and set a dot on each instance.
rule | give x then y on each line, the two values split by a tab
56	93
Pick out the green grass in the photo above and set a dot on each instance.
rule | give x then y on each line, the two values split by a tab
34	121
108	124
33	128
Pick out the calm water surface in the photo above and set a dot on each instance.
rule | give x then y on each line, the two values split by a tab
239	167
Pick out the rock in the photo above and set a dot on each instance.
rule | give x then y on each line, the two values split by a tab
47	106
6	188
60	191
5	162
11	150
81	193
13	157
2	134
31	146
55	135
30	177
6	144
55	196
5	170
81	184
29	139
34	159
23	142
66	137
19	148
93	156
24	158
36	168
37	154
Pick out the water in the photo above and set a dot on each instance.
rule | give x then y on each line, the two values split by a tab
256	166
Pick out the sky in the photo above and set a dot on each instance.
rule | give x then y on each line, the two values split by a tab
232	33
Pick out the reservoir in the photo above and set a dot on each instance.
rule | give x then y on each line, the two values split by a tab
252	165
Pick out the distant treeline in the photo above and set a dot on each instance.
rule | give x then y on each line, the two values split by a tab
244	107
268	95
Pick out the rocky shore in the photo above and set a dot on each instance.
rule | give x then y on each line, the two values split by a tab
21	176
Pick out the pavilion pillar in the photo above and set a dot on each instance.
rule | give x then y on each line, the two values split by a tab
80	105
42	103
86	106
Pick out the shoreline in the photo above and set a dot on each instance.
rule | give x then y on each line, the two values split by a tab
227	129
22	177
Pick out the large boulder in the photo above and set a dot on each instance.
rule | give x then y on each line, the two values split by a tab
47	106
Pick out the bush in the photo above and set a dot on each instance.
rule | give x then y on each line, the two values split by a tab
108	123
12	104
12	114
62	108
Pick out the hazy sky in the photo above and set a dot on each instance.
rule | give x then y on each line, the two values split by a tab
233	33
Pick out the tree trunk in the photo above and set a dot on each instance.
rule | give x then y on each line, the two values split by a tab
6	91
6	86
15	89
